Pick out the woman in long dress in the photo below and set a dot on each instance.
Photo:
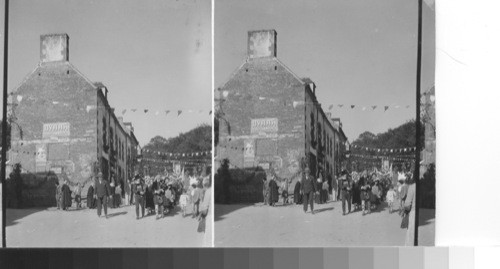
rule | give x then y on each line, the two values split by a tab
90	196
273	191
297	197
356	195
66	195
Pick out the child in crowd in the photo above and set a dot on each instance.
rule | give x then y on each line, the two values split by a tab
184	200
168	199
390	197
78	195
158	200
284	191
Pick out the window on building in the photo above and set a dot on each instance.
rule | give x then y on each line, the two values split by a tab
313	133
104	135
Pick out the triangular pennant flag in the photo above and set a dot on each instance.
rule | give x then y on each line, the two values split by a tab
352	106
179	112
330	107
146	110
167	111
210	113
124	111
385	108
373	107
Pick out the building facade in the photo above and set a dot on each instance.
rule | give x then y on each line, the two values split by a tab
65	128
271	118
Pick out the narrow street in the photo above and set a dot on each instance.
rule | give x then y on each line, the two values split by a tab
288	226
49	227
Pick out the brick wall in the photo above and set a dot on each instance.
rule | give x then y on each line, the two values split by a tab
55	129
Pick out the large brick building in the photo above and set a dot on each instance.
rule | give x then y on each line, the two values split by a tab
272	119
64	127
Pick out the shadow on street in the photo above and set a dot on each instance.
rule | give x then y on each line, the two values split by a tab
14	215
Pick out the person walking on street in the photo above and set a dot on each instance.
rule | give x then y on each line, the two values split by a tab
102	193
308	190
273	191
139	193
90	197
297	193
66	195
78	195
319	186
409	208
58	195
346	193
324	191
366	192
265	190
196	201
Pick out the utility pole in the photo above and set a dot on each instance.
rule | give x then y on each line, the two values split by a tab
417	122
4	120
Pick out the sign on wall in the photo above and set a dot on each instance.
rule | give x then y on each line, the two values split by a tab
56	130
266	125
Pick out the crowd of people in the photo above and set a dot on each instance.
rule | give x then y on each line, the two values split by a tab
359	191
157	195
362	191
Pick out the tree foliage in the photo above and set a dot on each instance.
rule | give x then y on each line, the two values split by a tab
399	137
197	139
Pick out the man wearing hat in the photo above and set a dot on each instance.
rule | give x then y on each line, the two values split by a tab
102	192
139	194
346	188
308	188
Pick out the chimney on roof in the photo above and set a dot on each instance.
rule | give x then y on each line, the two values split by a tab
54	48
261	44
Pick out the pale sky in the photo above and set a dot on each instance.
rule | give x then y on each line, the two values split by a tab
359	52
151	54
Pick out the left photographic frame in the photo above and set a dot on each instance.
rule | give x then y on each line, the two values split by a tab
111	147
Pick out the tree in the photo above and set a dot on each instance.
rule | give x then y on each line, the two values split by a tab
399	137
198	139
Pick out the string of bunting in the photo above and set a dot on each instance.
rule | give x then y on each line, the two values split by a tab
185	154
178	154
199	162
296	104
392	158
165	112
390	150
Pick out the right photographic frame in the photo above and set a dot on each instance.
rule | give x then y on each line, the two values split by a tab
324	123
